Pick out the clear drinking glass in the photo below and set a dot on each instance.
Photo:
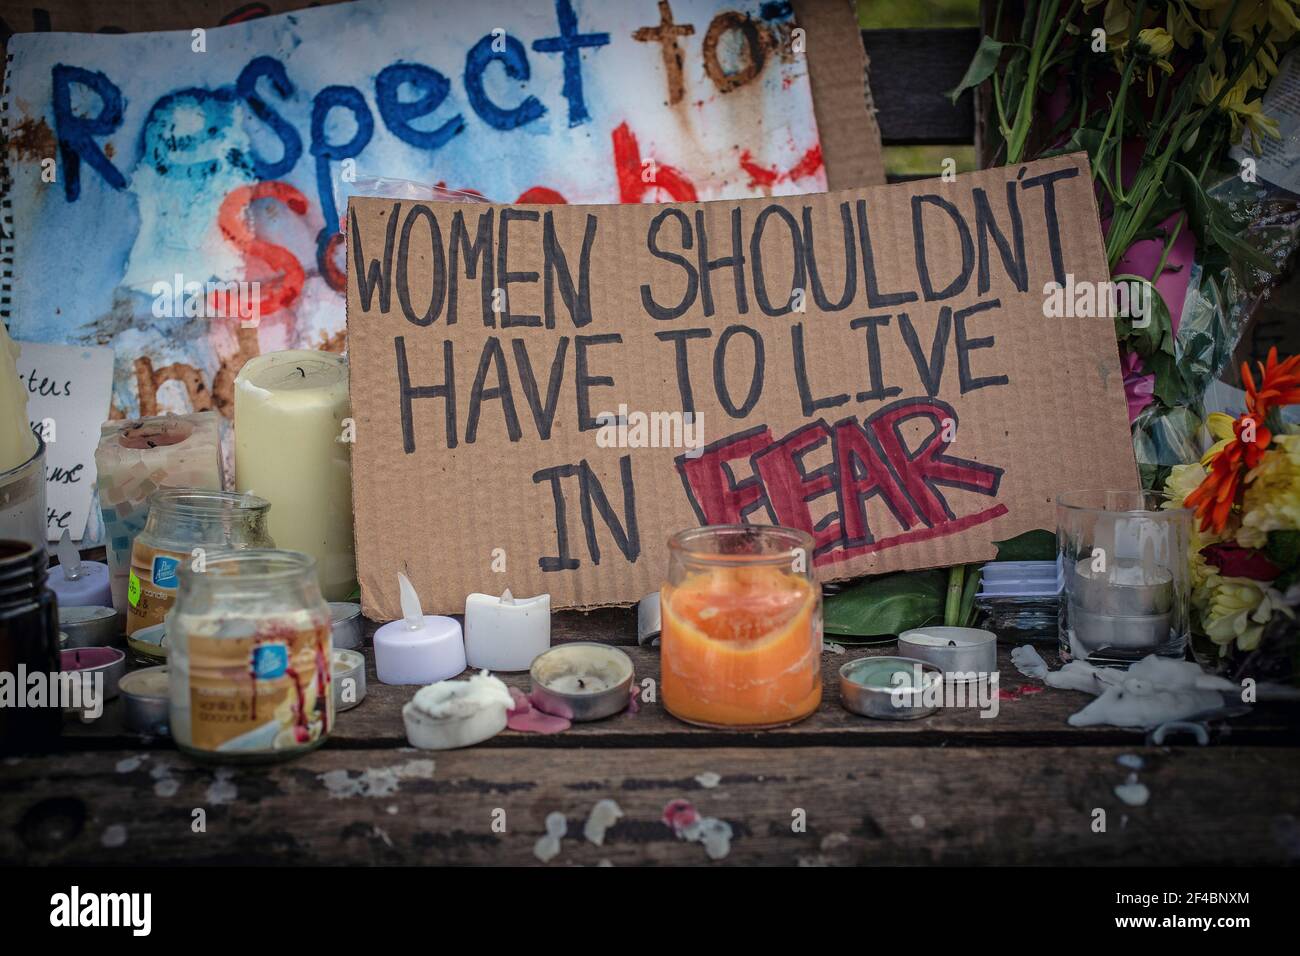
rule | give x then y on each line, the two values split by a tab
22	499
742	627
249	668
1127	576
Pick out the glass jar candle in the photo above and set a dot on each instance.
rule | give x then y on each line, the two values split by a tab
1125	564
29	644
184	525
742	627
249	670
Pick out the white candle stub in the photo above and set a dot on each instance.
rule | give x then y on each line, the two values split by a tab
506	633
451	714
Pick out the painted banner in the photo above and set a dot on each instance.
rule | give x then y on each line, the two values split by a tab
177	195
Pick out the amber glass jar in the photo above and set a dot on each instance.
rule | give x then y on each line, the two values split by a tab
742	627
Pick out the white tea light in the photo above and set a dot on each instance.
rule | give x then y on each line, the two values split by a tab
348	677
506	633
421	648
962	653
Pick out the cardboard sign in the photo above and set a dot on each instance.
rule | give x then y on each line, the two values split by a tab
873	366
68	390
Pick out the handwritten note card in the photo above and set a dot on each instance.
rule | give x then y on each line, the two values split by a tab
68	390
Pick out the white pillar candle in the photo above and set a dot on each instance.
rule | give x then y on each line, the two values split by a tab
419	649
504	633
291	449
17	443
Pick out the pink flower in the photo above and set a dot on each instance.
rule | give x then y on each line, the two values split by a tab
1139	384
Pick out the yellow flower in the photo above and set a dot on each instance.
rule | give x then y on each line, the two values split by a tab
1219	426
1272	499
1239	610
1180	483
1251	15
1250	114
1153	47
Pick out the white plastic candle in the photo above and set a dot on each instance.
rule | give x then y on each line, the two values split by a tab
419	649
17	443
78	582
504	633
292	449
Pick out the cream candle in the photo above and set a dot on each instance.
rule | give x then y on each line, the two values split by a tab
506	633
17	442
291	449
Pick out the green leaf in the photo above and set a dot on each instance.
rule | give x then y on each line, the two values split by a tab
1211	222
1036	545
1283	549
981	67
887	604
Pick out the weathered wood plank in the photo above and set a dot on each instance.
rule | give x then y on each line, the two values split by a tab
911	70
906	805
1027	718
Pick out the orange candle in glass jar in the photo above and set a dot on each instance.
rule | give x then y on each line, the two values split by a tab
741	635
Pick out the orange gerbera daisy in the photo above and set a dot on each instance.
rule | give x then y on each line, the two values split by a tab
1214	498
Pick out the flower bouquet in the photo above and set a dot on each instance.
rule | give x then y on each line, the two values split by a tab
1157	93
1245	492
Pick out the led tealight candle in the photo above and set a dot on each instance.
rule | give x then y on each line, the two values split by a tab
421	648
292	450
505	633
78	582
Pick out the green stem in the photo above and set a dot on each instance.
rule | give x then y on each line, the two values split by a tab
966	618
952	605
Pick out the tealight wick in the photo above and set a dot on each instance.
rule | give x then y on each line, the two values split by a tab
411	609
69	559
507	597
952	643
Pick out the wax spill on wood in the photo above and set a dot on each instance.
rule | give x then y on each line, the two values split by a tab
374	781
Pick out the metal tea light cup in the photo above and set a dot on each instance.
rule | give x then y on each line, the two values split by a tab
1127	576
867	687
558	675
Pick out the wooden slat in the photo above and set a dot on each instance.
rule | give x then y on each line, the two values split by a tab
900	806
911	69
1034	718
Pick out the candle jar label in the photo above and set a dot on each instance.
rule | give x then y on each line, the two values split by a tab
263	693
151	590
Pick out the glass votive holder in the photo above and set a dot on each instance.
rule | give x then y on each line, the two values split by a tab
1127	576
741	636
22	500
